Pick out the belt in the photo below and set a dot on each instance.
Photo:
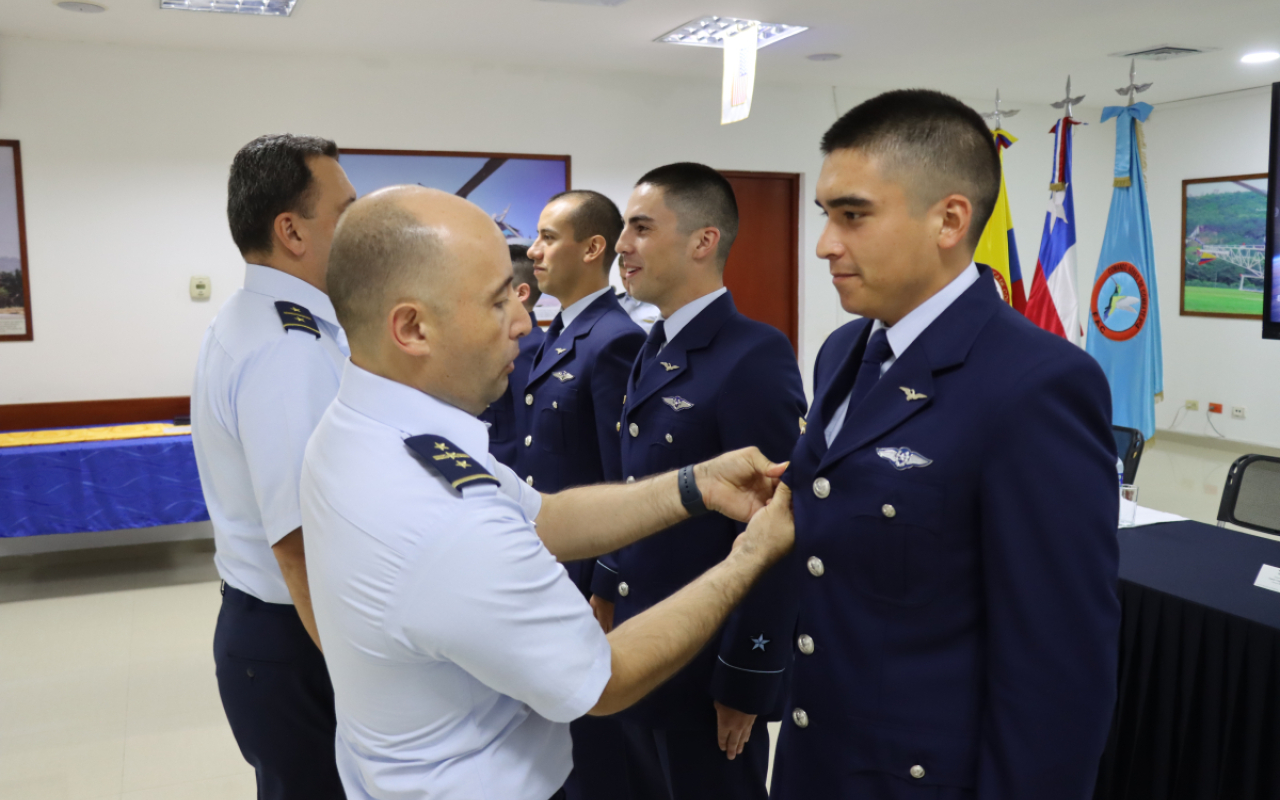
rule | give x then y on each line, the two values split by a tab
231	594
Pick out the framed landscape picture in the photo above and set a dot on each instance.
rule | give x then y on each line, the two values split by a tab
15	284
512	188
1224	223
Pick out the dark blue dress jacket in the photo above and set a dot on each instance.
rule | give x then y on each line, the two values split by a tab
571	403
506	422
956	567
728	382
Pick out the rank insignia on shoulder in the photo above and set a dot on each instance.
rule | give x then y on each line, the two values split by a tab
912	394
804	425
677	403
295	316
903	457
443	456
562	376
668	366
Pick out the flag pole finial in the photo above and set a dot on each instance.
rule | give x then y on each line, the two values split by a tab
1068	101
1134	88
999	113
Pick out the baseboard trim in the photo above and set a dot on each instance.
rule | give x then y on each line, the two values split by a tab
1229	445
35	416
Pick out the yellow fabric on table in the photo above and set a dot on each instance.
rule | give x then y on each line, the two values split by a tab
145	431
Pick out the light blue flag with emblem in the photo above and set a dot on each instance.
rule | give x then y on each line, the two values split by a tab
1124	334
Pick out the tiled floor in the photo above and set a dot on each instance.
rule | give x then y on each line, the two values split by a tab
106	671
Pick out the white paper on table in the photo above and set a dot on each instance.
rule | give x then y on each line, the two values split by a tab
1149	516
1268	578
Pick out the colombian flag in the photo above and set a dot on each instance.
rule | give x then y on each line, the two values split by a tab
997	248
1206	258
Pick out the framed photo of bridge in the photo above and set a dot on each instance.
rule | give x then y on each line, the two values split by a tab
15	284
1224	222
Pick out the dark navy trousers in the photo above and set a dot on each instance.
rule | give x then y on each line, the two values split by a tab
689	765
276	692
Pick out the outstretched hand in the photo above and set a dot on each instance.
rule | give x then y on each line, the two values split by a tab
739	483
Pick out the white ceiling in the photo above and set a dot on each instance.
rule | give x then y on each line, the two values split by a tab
1023	47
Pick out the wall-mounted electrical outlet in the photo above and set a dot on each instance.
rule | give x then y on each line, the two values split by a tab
1237	412
1193	405
1215	408
201	287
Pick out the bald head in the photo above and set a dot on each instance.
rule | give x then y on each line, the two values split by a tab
401	244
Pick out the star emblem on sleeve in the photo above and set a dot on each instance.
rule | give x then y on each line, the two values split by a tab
759	642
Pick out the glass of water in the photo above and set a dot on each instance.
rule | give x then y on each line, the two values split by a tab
1128	505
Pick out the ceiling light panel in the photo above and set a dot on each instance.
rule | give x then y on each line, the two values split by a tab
1261	58
711	32
257	8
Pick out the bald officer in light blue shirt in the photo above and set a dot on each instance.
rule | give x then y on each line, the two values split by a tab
458	646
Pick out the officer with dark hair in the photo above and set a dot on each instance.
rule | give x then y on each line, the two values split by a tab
708	380
270	364
955	496
503	415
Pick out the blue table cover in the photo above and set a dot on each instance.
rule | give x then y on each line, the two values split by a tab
99	486
1212	566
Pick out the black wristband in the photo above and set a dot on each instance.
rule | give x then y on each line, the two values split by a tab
690	495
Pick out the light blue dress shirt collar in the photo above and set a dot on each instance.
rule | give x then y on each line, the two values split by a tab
283	286
571	313
411	411
671	326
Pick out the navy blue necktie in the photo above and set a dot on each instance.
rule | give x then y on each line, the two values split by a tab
855	386
649	354
553	333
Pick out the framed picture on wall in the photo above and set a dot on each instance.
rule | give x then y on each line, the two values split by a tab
1224	222
15	283
512	188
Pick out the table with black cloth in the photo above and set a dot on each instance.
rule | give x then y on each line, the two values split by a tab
1198	713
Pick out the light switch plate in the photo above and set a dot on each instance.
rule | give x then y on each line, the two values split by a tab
201	287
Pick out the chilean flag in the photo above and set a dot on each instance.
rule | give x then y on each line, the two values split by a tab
1053	305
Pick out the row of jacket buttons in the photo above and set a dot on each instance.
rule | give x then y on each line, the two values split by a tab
822	490
801	718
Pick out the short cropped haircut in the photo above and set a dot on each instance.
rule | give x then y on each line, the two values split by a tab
939	145
522	268
700	198
379	257
270	176
595	215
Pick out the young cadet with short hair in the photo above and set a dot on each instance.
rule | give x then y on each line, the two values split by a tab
708	380
269	366
570	402
459	647
503	415
955	495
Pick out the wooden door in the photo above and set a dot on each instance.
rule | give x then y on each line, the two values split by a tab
763	271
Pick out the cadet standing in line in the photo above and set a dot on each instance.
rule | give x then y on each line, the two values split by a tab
709	380
504	417
956	504
459	648
269	366
572	398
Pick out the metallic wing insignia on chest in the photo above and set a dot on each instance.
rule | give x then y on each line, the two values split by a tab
560	350
912	394
903	457
444	457
562	376
668	366
677	403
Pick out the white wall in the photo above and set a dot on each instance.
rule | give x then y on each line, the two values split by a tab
125	153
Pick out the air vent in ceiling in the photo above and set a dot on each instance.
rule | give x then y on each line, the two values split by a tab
1162	53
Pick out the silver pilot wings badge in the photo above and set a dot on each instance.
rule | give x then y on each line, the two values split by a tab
903	457
677	403
562	376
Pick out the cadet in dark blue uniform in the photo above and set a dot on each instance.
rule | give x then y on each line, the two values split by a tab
571	399
955	498
708	380
268	368
504	416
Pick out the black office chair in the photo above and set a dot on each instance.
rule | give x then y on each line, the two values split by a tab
1251	498
1129	444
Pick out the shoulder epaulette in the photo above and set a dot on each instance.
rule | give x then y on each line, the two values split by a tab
443	456
295	316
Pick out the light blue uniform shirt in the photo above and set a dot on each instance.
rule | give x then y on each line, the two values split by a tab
907	330
260	391
641	313
671	326
568	315
458	647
